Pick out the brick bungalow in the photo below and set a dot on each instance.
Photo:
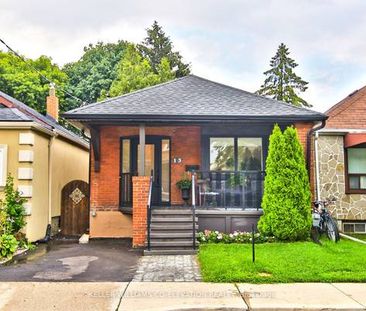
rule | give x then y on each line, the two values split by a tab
342	161
188	124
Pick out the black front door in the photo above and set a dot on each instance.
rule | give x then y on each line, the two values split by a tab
157	162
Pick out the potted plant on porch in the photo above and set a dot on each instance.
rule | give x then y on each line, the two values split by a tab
185	185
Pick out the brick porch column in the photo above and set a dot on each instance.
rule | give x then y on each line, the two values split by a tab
140	192
302	130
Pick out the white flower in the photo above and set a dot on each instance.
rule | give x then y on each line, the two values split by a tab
231	235
216	232
219	237
203	238
236	233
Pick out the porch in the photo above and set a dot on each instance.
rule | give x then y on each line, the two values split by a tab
228	163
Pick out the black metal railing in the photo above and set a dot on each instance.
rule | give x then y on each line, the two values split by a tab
126	189
194	209
149	213
229	189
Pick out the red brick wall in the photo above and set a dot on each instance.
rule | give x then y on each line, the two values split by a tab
139	218
350	113
185	143
302	131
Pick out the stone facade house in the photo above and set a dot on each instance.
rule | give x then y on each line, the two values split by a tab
44	158
342	161
217	132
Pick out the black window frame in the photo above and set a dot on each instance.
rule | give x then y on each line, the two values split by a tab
236	153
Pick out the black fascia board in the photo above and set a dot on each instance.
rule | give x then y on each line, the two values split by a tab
189	118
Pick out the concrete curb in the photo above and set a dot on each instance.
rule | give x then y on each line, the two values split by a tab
214	296
160	296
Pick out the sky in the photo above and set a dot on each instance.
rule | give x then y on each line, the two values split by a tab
228	41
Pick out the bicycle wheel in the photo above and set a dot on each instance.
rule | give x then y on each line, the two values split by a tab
332	229
315	235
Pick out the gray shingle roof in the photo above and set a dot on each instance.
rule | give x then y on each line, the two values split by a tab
192	96
12	114
22	112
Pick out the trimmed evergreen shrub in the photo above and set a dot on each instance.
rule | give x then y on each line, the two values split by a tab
287	199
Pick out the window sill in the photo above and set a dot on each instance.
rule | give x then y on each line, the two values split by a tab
353	191
126	210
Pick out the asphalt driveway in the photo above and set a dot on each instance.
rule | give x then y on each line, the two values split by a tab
100	260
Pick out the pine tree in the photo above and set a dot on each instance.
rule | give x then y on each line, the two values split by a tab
286	200
281	82
158	45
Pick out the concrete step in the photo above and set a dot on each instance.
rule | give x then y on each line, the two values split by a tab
170	252
155	219
171	235
174	227
172	212
172	244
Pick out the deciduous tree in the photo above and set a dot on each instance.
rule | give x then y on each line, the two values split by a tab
95	72
20	81
134	73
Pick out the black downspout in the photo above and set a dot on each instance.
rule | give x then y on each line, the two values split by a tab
308	144
47	236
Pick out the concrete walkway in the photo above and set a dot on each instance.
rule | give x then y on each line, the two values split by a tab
180	296
168	268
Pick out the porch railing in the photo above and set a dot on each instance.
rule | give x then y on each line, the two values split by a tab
194	209
126	189
229	189
149	213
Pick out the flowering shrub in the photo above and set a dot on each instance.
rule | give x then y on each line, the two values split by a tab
209	236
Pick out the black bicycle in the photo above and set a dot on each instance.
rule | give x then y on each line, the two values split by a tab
323	222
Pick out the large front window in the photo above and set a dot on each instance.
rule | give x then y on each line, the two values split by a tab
222	154
236	153
356	165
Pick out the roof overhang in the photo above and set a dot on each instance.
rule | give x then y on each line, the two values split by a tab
26	125
354	139
340	131
111	118
31	125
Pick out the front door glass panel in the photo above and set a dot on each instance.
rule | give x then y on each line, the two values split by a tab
165	163
149	159
126	149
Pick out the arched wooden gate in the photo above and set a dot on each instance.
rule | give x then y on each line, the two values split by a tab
75	208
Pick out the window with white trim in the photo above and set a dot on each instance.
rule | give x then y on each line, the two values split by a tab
354	227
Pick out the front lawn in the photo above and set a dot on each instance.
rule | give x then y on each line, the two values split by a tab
284	262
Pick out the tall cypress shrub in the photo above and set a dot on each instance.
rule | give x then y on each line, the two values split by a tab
287	198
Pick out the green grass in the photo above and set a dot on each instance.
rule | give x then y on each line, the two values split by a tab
284	262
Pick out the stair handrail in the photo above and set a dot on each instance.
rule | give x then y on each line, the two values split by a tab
194	208
149	212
